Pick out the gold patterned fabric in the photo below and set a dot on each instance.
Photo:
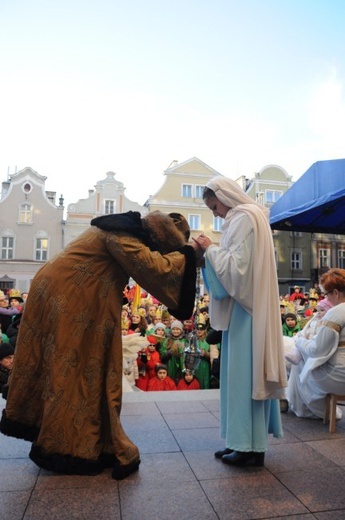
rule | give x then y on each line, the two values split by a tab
331	325
66	385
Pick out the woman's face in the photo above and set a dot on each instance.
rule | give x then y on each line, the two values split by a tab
218	208
335	297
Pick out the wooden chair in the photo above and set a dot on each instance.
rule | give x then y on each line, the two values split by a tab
330	410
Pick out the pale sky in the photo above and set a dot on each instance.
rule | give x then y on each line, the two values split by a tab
131	85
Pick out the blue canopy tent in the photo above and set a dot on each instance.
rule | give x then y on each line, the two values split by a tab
315	203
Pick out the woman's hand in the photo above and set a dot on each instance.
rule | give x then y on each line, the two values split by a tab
203	241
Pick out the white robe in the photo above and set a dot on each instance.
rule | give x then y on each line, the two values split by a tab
322	370
239	266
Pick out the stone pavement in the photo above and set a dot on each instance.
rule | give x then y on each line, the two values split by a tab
177	434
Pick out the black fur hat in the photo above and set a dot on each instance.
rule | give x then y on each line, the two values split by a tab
6	350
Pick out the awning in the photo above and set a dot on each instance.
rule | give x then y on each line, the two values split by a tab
315	203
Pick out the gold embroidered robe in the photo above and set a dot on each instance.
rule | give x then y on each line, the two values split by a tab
66	386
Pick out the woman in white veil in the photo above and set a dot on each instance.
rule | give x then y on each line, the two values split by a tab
241	279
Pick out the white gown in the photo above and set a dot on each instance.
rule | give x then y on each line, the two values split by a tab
322	370
245	421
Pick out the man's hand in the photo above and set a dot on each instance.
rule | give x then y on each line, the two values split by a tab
199	253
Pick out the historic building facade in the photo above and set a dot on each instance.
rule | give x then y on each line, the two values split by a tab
108	196
31	227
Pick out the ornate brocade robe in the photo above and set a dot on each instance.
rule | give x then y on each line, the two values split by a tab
66	385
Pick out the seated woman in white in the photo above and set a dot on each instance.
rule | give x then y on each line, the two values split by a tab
322	368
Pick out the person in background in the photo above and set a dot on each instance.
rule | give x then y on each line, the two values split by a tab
321	370
297	297
6	363
24	296
137	323
240	274
172	350
290	325
188	326
13	329
204	312
161	382
147	360
6	312
188	381
282	307
15	299
203	370
167	319
151	313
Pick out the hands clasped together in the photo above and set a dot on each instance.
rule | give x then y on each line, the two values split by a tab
200	244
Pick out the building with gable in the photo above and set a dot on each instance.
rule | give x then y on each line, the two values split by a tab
108	196
31	227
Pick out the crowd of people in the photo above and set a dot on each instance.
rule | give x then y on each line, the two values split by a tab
161	358
158	364
167	341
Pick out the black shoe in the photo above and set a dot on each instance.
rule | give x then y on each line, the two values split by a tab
284	405
219	454
241	458
121	472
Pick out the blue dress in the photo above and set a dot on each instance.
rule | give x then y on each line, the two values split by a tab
244	422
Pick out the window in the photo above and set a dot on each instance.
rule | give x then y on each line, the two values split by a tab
297	234
217	223
8	284
27	188
194	222
199	190
41	249
109	207
7	247
341	259
25	213
324	258
186	190
259	198
272	196
296	260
